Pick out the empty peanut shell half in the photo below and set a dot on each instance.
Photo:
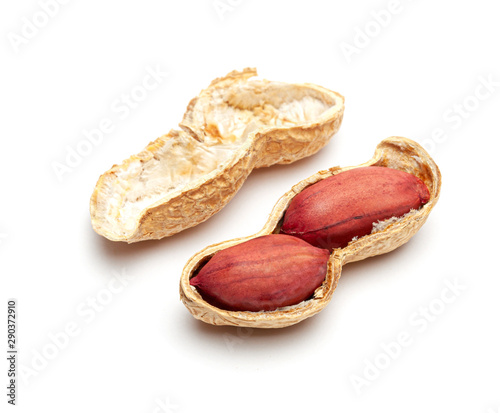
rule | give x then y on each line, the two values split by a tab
395	153
184	177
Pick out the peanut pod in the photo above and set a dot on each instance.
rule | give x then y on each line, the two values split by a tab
396	153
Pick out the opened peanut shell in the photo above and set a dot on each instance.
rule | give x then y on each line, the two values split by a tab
397	153
186	176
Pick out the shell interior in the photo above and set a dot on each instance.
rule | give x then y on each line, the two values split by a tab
215	127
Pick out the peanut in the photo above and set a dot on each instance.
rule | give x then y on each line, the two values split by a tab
330	213
262	274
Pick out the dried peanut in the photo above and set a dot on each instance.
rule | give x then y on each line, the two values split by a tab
330	213
262	274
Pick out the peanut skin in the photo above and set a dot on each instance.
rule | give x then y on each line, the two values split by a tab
330	213
262	274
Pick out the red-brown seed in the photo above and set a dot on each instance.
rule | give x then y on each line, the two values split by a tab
262	274
330	213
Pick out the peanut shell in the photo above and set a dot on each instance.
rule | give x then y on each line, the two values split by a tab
395	152
186	176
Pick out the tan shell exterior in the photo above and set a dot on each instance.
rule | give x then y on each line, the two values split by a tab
199	200
395	152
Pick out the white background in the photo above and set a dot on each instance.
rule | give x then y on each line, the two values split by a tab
143	351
